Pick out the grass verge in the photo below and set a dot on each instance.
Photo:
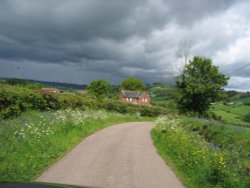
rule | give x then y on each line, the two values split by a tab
201	163
32	142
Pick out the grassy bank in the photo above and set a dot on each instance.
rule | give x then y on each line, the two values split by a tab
30	143
204	156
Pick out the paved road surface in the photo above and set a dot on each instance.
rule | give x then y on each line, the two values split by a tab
120	156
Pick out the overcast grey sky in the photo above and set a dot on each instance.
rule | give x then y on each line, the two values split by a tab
76	41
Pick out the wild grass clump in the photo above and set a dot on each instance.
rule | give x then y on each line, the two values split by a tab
28	144
199	163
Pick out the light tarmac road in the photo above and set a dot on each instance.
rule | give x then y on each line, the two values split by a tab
120	156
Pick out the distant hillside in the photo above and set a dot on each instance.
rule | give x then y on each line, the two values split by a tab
238	97
58	85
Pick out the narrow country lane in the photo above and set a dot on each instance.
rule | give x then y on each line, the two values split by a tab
120	156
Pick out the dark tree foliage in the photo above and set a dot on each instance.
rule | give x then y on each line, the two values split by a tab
99	88
247	118
132	84
199	85
17	81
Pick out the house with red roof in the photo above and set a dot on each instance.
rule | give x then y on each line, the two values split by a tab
135	97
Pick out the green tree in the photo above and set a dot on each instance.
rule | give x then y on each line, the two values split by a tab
132	84
199	85
99	88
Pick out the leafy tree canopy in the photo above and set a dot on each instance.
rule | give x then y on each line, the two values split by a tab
199	85
99	88
132	84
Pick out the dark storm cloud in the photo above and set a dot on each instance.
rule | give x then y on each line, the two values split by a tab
114	39
49	26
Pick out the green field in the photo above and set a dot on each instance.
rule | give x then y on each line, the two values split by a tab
232	113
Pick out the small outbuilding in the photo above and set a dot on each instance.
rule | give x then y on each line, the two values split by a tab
135	97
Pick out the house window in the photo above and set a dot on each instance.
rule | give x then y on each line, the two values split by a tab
146	100
129	99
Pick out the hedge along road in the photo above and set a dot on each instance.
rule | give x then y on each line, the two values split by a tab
118	156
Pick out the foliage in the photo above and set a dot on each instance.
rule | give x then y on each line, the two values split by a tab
231	93
30	143
99	88
117	106
163	91
169	104
52	101
198	162
247	118
16	81
34	86
247	103
132	84
199	85
151	111
14	100
23	83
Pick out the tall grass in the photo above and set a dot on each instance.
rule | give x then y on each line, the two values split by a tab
30	143
198	162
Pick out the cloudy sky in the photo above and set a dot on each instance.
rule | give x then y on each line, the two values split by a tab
76	41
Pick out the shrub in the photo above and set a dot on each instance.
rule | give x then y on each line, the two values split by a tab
71	101
115	107
247	103
10	111
247	118
34	86
52	101
16	81
9	104
33	100
14	100
148	112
